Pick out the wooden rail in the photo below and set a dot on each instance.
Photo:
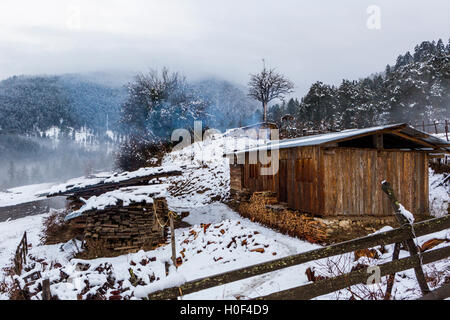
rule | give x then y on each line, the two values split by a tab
384	238
438	294
20	258
322	287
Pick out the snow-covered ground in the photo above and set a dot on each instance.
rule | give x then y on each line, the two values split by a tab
11	233
218	240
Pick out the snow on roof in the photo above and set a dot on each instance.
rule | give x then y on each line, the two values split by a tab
337	136
241	130
126	195
100	179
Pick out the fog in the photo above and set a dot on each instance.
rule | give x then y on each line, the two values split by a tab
308	41
30	160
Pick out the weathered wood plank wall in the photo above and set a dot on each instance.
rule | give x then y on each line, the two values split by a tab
341	181
352	177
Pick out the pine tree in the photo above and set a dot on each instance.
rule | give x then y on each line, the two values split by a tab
440	48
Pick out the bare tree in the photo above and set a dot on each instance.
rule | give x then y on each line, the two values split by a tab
267	86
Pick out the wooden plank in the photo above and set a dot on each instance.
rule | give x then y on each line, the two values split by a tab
421	184
426	185
353	182
415	186
348	181
361	181
384	238
322	287
376	199
337	177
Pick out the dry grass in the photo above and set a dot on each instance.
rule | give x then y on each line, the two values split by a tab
11	288
56	230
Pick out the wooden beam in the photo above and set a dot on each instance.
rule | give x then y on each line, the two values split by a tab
387	130
418	141
378	141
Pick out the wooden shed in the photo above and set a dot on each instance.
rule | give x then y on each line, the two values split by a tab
340	173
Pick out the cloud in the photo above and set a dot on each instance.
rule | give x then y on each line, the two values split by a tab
327	40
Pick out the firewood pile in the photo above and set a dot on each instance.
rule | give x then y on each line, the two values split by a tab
286	221
118	230
238	197
264	207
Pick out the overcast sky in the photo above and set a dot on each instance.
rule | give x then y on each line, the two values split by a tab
306	40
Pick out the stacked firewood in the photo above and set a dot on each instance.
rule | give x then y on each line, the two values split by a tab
237	197
127	229
303	226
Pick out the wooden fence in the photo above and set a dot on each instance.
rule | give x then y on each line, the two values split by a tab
20	258
405	234
322	287
435	128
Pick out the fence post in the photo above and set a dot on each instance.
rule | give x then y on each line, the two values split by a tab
386	187
172	239
46	295
20	257
391	279
446	129
24	247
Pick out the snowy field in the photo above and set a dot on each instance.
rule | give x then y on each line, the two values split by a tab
218	240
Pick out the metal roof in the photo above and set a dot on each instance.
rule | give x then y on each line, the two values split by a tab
321	139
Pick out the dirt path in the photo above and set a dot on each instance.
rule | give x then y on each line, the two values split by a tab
31	208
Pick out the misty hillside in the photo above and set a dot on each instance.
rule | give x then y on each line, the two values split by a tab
55	127
415	89
29	104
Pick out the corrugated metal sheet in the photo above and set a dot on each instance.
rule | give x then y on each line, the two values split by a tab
352	133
